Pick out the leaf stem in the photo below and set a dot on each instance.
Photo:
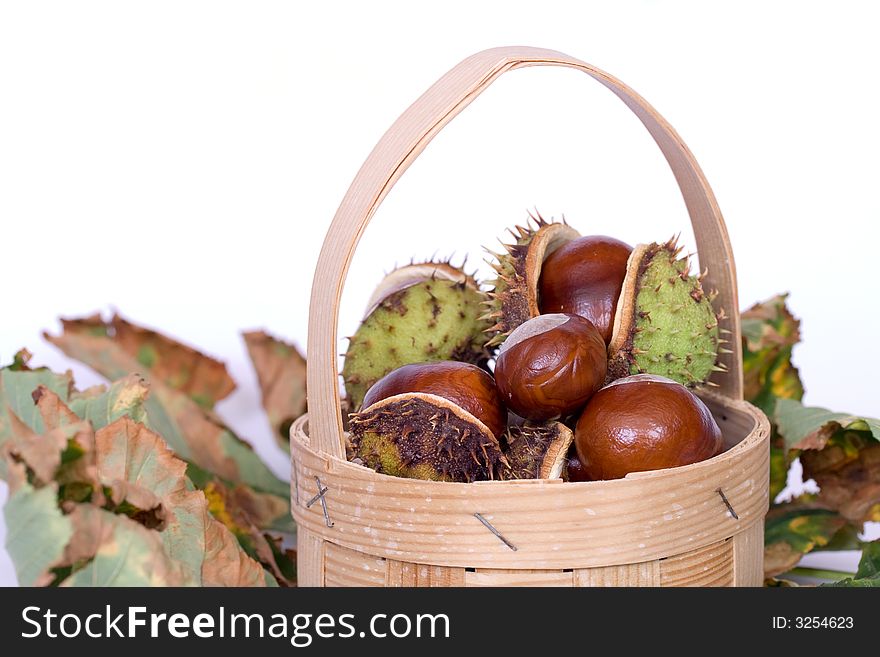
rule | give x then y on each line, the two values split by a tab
820	573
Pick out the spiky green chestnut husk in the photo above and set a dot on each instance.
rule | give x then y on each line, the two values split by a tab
536	451
514	296
422	436
665	322
419	313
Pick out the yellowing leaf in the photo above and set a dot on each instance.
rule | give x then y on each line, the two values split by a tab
231	507
17	383
200	377
769	333
840	452
138	520
281	371
194	433
790	535
130	452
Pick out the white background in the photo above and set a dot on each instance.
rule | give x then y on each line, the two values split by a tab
181	161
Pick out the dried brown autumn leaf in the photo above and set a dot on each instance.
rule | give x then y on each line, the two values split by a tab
17	382
128	451
202	378
230	507
841	452
113	550
281	371
196	434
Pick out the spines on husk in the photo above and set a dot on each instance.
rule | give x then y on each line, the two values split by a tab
514	295
665	322
419	313
422	436
536	450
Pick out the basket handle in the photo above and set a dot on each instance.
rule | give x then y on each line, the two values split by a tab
403	143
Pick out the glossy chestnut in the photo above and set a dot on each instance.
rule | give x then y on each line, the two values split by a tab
644	422
550	366
584	277
466	385
574	469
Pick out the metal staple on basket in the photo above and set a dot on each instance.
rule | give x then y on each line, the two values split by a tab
488	525
322	490
727	503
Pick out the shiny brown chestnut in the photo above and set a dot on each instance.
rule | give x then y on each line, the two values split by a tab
466	385
584	277
550	366
574	469
644	422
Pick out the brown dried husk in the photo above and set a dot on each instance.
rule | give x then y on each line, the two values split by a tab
423	436
514	299
537	451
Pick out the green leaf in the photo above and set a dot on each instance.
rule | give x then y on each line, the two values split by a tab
17	383
139	520
207	552
840	452
120	552
790	535
195	433
123	398
36	532
868	573
769	333
779	465
811	427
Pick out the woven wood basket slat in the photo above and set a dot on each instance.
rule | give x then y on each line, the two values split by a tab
697	525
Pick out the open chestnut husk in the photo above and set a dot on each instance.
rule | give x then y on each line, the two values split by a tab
513	299
470	387
644	422
584	277
419	313
665	322
434	421
536	450
550	366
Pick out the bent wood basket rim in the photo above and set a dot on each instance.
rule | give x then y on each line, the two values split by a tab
553	524
357	526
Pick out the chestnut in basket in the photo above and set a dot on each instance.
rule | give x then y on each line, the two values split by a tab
644	422
653	313
574	469
584	277
469	386
536	450
550	366
514	298
418	313
432	421
665	323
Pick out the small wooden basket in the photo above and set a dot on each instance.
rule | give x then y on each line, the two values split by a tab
700	524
